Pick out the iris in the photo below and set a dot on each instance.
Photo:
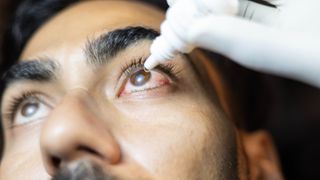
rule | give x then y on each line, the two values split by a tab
140	78
29	109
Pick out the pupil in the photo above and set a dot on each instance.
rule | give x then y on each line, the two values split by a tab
140	78
29	109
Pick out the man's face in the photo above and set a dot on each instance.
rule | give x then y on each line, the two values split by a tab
81	99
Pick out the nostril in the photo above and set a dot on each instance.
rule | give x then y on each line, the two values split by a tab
90	151
56	162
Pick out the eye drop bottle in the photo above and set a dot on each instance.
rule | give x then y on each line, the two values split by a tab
174	38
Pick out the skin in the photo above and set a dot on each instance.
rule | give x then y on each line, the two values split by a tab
175	131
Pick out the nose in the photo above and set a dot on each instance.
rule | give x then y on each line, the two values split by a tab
74	131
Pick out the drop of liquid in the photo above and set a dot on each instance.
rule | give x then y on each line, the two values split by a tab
140	78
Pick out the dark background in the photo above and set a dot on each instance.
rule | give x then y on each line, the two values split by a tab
288	109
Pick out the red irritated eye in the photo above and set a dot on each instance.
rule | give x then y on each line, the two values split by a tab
141	80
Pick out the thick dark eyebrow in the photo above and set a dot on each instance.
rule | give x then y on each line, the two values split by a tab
36	70
107	46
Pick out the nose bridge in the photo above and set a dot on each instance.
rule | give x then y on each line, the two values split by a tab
73	127
75	109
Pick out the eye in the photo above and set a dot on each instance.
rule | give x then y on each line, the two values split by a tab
31	109
140	78
140	81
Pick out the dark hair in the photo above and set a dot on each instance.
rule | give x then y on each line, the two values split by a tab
28	17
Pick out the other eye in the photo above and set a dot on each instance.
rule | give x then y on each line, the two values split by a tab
140	80
28	110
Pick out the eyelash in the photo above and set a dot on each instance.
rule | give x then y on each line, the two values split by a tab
16	102
169	69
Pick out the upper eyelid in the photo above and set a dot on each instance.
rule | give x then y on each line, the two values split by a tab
132	69
133	63
138	64
167	69
125	71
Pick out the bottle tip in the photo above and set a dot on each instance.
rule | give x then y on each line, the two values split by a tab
150	63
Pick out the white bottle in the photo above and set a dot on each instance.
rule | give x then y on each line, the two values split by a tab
179	19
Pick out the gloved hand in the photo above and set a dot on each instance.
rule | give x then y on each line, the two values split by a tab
283	40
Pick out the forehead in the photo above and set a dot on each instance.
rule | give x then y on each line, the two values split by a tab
86	19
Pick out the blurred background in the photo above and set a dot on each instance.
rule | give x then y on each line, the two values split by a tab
289	110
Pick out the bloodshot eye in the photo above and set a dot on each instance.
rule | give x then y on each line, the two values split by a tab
140	77
141	81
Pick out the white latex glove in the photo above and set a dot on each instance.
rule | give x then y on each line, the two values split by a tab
284	41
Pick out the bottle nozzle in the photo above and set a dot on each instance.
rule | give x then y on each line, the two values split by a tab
151	62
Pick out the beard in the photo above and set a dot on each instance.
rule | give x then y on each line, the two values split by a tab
82	170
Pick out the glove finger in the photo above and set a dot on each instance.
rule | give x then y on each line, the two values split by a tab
257	12
272	2
288	54
171	2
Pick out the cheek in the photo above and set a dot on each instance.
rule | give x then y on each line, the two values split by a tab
23	139
166	151
22	156
20	167
171	140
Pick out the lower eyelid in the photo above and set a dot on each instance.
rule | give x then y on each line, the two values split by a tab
169	70
158	79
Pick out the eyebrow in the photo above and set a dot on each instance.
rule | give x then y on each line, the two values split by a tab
39	70
97	51
107	46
